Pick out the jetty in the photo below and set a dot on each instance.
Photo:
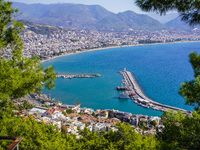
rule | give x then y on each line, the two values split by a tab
78	76
136	93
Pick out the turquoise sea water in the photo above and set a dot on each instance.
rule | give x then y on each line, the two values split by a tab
159	70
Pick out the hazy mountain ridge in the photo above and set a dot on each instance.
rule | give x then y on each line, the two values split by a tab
178	24
163	18
78	16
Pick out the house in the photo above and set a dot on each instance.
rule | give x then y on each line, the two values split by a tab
56	122
134	120
37	111
53	113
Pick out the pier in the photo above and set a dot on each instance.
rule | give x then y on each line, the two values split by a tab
135	92
78	76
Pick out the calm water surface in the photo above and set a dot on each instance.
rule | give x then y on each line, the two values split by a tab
159	70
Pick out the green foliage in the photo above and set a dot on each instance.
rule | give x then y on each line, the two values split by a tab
69	111
64	113
45	106
190	90
148	42
126	139
37	135
25	105
188	9
153	123
19	75
74	40
181	131
92	141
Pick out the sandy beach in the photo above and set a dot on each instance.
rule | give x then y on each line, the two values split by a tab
82	51
103	48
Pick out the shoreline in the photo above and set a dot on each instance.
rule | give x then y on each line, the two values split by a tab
110	47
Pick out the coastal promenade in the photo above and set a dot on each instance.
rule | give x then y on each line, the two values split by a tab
134	89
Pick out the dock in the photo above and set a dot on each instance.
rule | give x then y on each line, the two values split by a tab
78	76
136	93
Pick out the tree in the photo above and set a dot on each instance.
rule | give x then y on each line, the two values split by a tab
191	90
153	123
189	10
127	138
181	131
35	135
26	105
69	111
45	106
19	75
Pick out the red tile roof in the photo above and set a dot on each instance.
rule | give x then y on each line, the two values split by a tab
52	110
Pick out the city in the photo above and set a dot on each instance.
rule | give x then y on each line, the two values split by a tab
64	42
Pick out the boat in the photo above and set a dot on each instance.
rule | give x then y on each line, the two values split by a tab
123	96
121	88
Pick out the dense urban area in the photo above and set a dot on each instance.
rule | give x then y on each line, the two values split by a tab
47	45
73	118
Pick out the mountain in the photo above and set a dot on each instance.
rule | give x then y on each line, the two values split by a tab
178	24
90	17
164	18
130	20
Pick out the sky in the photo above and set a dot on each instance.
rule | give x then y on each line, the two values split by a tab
111	5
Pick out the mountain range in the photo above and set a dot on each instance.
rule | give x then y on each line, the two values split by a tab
177	23
90	17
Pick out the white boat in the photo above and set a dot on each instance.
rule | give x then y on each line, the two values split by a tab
123	96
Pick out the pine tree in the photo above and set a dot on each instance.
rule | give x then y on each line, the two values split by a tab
189	10
19	75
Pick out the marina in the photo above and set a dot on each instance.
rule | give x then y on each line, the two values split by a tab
160	82
78	76
135	93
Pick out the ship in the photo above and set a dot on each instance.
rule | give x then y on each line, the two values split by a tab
123	96
121	88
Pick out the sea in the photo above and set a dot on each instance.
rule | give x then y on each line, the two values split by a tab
159	70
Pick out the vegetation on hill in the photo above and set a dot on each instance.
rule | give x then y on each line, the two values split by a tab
18	74
40	29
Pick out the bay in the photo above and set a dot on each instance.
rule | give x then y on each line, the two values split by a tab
159	70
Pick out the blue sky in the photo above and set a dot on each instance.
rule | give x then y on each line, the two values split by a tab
111	5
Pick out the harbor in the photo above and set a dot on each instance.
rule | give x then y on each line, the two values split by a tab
78	76
134	91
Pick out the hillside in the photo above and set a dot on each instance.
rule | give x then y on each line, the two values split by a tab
90	17
31	27
178	24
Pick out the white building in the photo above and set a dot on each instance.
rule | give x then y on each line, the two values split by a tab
53	113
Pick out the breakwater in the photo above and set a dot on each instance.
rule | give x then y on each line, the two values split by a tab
78	76
135	92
